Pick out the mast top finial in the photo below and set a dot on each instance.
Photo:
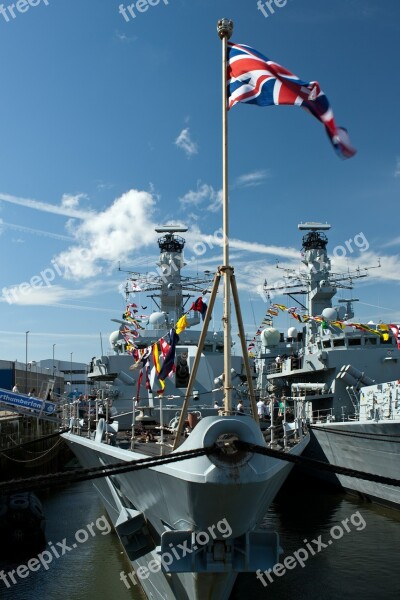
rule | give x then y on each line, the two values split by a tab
225	28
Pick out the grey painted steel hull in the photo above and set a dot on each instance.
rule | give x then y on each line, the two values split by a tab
191	495
377	456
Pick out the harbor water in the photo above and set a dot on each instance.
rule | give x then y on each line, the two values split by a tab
352	552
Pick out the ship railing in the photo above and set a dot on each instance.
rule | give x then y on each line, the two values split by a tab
285	365
324	415
273	368
288	420
82	417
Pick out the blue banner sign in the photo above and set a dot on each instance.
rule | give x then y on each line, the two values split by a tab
26	402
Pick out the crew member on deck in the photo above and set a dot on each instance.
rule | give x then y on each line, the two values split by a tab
261	409
240	408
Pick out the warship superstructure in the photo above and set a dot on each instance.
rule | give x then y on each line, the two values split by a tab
112	375
330	359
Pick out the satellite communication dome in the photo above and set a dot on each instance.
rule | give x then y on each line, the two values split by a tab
157	320
114	338
292	332
270	336
330	314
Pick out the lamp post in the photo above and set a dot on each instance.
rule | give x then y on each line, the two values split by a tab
54	345
71	370
26	362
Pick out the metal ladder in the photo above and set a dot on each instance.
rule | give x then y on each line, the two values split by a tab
355	399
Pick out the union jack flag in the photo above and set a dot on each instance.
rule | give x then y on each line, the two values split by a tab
255	79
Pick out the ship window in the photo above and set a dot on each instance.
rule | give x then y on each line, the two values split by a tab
337	343
326	343
386	342
370	341
354	341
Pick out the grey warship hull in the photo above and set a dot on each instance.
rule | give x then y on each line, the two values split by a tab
369	447
208	506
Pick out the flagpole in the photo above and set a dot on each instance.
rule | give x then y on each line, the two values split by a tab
225	28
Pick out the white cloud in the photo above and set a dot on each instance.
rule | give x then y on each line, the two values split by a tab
110	236
66	211
184	142
263	249
397	169
122	37
41	292
394	242
388	270
69	201
204	193
195	236
26	295
252	179
40	232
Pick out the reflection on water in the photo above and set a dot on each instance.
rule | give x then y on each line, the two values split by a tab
361	564
89	571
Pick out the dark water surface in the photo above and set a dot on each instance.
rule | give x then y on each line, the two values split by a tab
362	563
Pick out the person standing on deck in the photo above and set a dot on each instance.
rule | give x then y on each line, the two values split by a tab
240	408
261	409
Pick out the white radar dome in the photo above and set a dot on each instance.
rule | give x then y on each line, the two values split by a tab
114	338
292	332
330	314
157	320
270	336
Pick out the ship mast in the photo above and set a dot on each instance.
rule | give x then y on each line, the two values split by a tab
170	265
318	282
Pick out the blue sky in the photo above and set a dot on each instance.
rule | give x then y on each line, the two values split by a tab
110	127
